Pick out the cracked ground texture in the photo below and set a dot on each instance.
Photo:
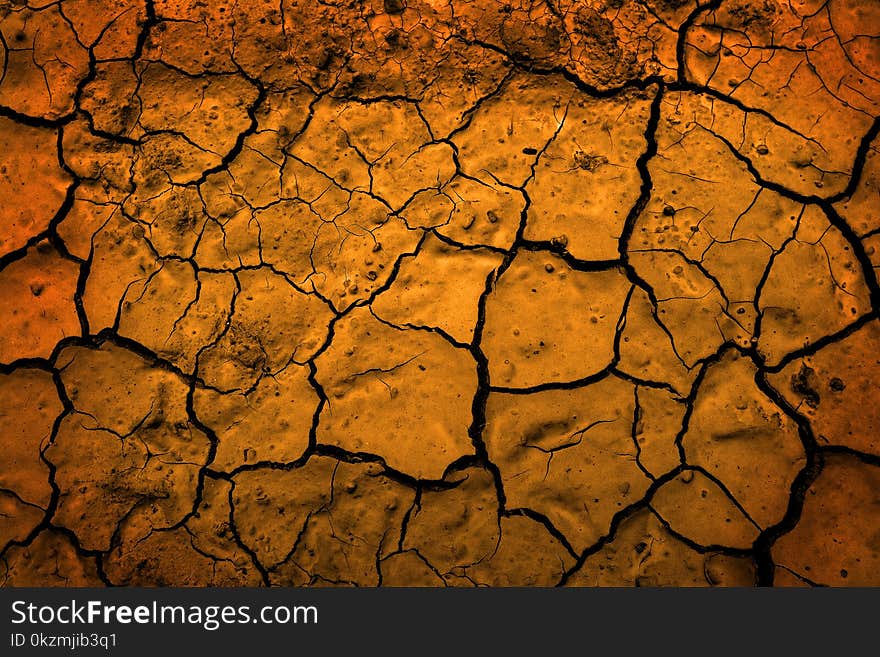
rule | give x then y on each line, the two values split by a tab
440	292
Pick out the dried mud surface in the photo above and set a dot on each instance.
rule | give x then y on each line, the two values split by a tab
440	292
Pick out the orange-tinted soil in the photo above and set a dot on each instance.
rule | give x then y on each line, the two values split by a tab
440	292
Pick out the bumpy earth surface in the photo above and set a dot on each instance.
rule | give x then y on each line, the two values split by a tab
440	292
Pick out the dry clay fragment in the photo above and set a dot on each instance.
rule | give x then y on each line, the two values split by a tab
409	568
405	396
103	479
211	527
693	506
17	519
658	421
37	295
771	56
394	140
353	255
710	212
440	288
41	73
197	37
568	454
861	210
233	237
288	229
129	448
506	551
110	99
201	553
210	111
737	434
646	349
507	132
172	217
91	209
50	560
271	507
95	160
253	178
837	540
322	521
689	305
121	263
814	289
344	540
469	508
273	325
549	323
836	389
326	145
163	159
605	38
469	211
272	422
168	558
345	251
466	74
527	555
178	312
645	553
29	405
32	183
111	27
586	180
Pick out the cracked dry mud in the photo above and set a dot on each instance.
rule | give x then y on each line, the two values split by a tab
440	292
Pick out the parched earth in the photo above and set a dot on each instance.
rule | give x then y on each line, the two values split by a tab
438	292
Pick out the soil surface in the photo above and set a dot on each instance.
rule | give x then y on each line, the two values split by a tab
440	293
